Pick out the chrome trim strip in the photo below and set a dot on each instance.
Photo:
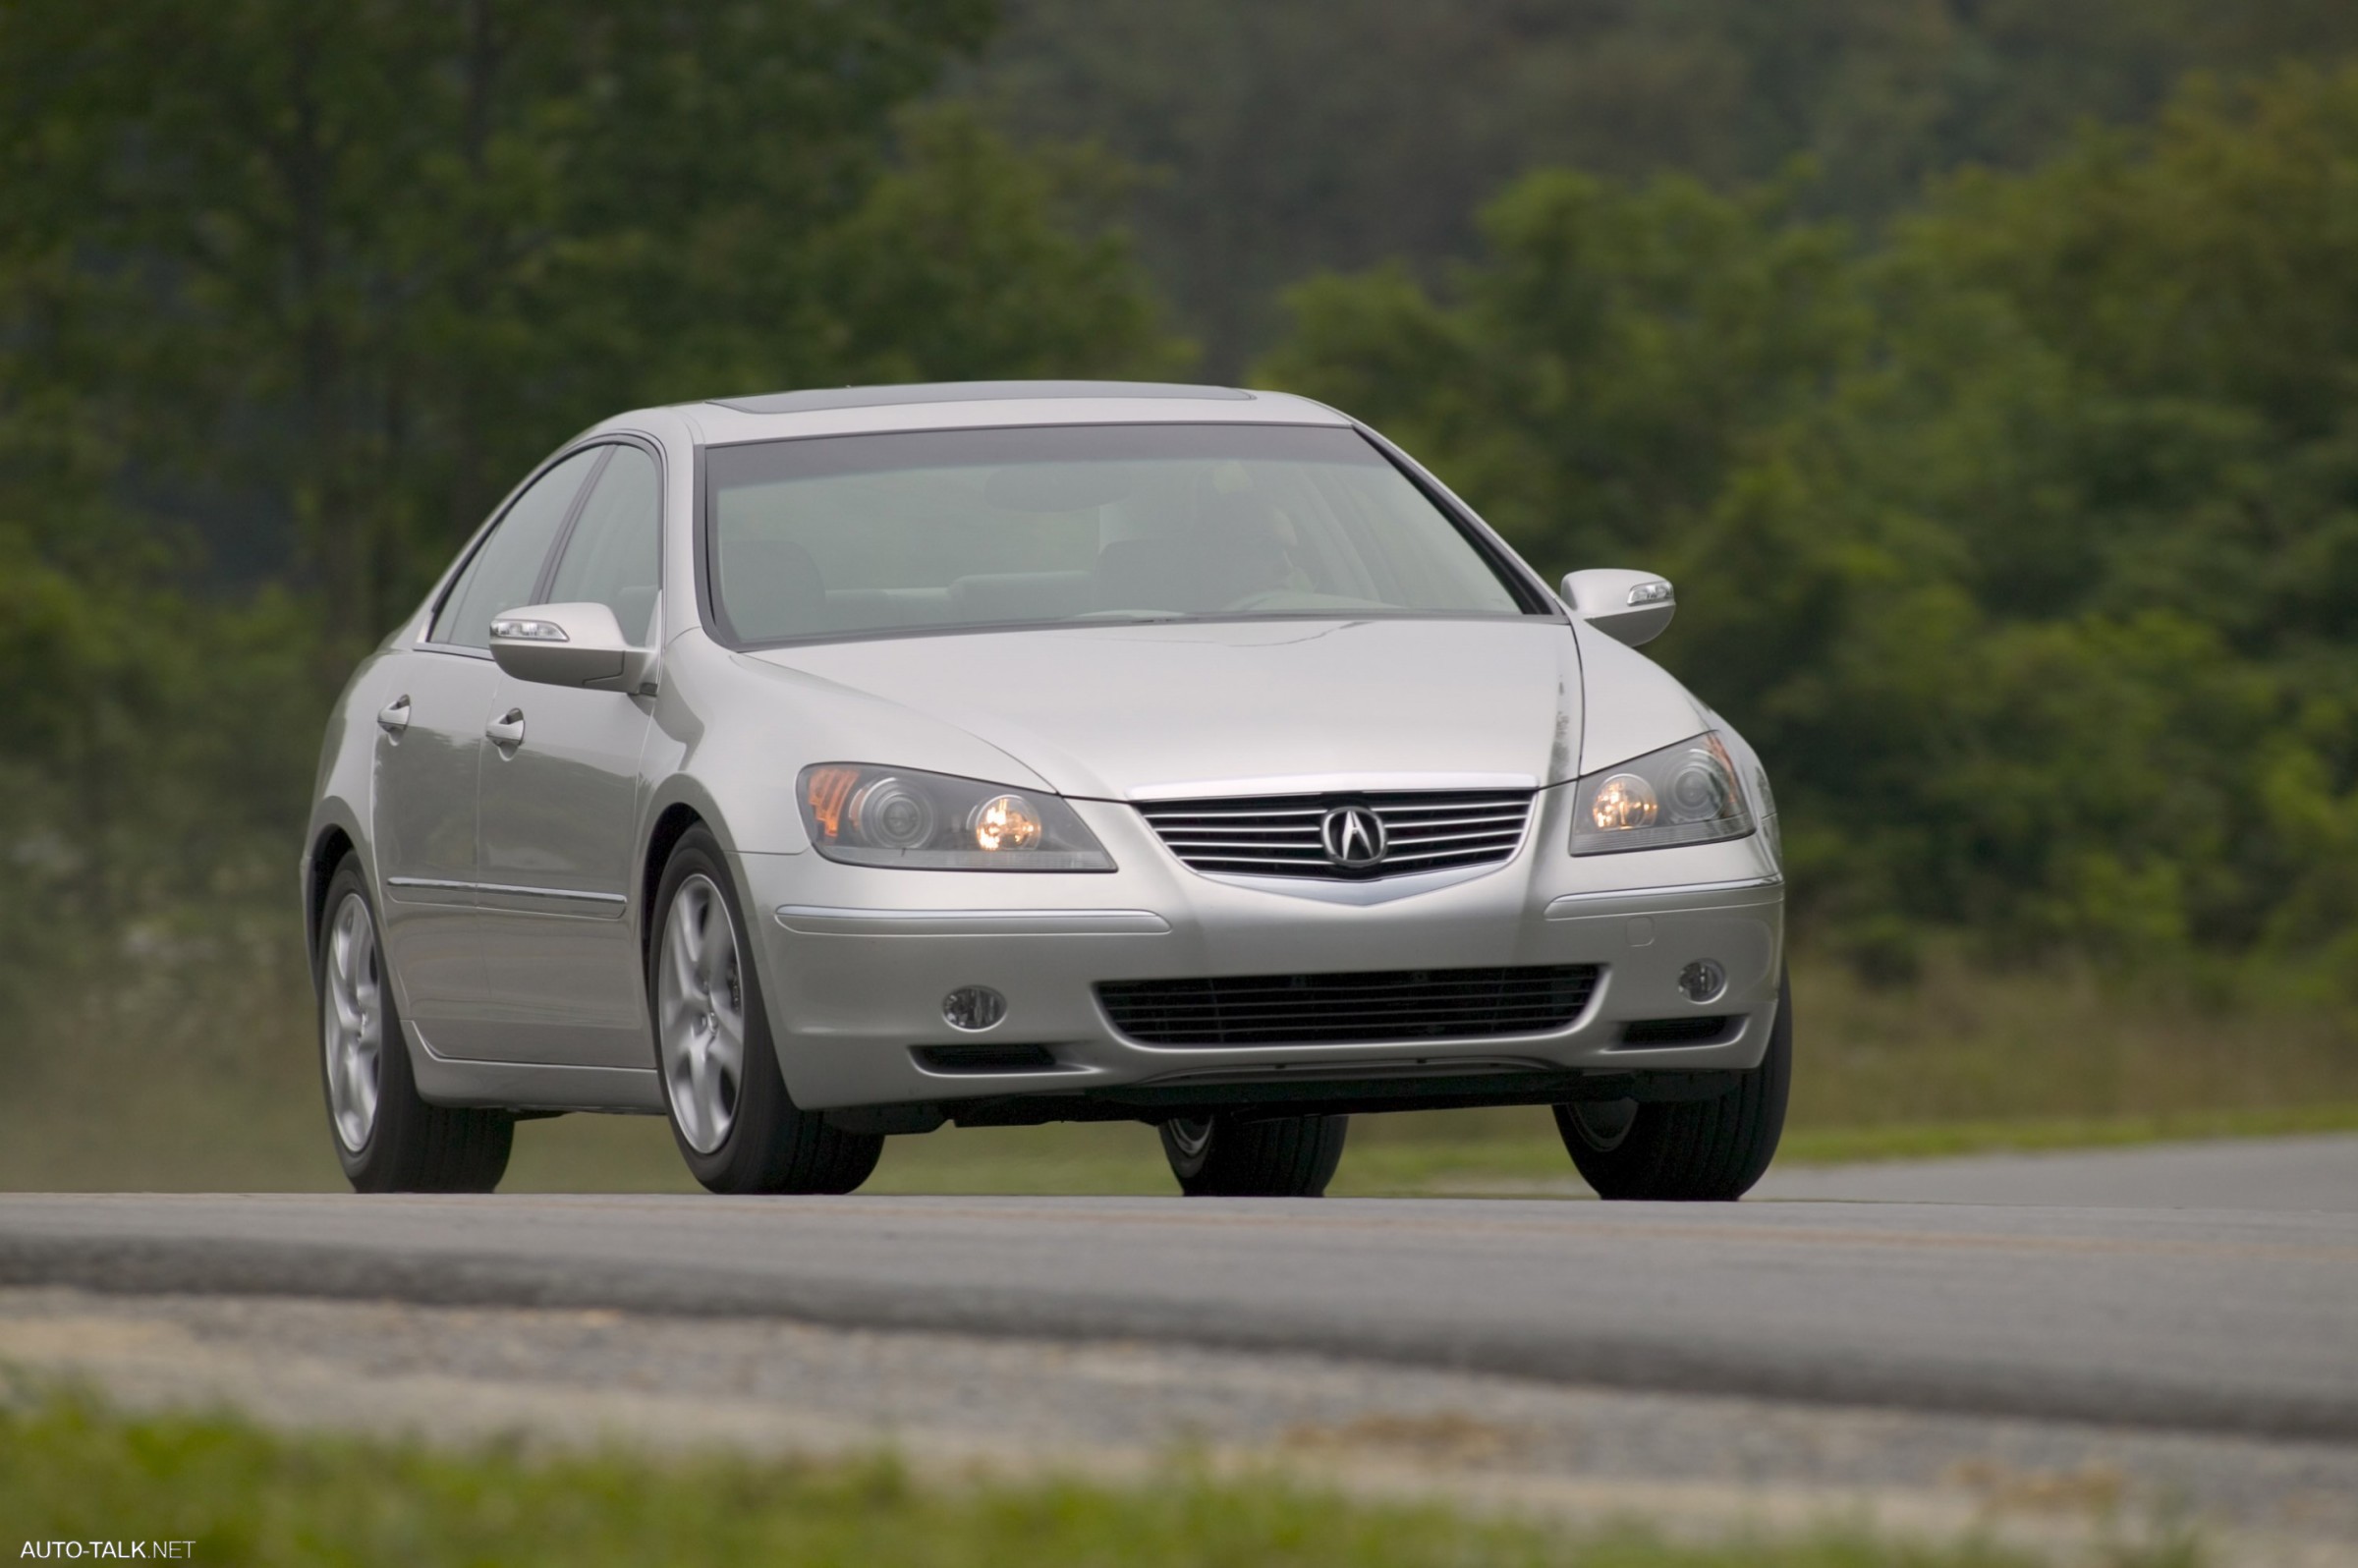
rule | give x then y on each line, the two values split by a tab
813	920
1331	784
506	888
1570	904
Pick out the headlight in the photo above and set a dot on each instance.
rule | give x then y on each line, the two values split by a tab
869	816
1683	794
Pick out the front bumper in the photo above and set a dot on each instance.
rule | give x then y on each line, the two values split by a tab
855	963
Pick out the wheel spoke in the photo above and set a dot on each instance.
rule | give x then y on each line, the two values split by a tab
701	1090
685	943
726	1048
718	952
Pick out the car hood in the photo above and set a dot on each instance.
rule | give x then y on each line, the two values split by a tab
1122	712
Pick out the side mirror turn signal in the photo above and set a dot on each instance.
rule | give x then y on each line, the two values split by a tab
568	645
1631	607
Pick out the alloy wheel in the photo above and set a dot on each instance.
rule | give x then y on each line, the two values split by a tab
352	1023
1189	1137
700	1009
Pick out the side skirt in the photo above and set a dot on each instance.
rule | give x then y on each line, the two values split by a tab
530	1086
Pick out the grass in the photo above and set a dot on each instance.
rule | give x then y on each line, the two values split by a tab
72	1470
196	1074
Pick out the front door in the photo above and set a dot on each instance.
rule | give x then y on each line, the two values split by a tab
430	750
423	799
558	813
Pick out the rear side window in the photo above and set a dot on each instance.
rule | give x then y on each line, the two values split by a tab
502	573
611	557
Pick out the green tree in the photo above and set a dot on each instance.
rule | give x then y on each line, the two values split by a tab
2025	544
1288	139
357	265
321	282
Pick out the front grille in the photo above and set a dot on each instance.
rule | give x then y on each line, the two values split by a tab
1345	1009
1280	836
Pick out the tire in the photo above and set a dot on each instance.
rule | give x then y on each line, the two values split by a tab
1282	1156
386	1137
736	1126
1708	1151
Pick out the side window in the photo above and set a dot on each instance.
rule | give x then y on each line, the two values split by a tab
611	558
502	574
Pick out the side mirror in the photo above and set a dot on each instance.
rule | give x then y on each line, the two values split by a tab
568	645
1630	607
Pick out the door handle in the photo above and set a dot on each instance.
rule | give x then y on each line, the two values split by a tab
394	716
508	729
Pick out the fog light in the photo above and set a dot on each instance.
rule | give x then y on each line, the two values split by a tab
974	1007
1700	981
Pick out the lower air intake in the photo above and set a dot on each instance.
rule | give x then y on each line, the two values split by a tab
1349	1009
986	1058
1676	1031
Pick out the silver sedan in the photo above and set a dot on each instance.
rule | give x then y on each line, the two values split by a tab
815	768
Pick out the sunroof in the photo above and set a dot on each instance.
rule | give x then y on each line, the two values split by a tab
870	397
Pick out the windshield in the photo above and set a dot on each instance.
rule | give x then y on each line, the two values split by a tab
844	535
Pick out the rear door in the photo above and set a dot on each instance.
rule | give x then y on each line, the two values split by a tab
428	746
559	810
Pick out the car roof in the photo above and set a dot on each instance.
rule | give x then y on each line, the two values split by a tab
969	405
871	397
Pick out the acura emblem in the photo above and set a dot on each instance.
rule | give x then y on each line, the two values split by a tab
1352	836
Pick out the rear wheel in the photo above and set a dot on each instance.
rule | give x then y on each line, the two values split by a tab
737	1128
1281	1156
1709	1150
387	1139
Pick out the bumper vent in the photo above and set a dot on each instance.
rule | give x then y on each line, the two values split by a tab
1287	836
1349	1009
986	1058
1676	1031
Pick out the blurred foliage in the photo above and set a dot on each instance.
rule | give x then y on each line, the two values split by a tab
2024	543
2018	525
359	265
290	294
1284	138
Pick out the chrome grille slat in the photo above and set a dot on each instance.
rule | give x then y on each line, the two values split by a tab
1177	841
1350	1008
1280	835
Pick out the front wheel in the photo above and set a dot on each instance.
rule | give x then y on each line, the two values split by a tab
1695	1151
387	1137
737	1128
1279	1156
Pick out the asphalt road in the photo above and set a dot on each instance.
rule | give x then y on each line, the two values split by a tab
2203	1320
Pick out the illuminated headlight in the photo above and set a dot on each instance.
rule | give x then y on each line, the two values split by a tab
869	816
1683	794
